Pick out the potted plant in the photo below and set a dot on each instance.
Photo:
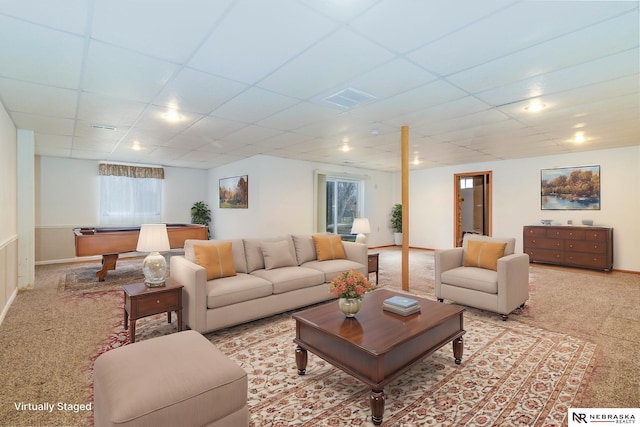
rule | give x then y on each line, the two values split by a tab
201	214
396	223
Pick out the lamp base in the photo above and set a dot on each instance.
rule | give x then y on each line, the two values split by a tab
154	268
361	238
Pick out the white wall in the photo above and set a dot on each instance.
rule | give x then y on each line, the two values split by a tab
8	212
516	199
67	196
281	199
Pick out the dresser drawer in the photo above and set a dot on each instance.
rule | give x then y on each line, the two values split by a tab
535	231
565	233
597	235
545	255
544	243
587	260
594	247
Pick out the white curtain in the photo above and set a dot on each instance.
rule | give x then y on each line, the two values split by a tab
130	200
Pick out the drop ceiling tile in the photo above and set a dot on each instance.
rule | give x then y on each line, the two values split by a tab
607	68
43	124
120	73
251	134
65	15
407	103
186	142
162	153
39	55
441	112
171	30
247	45
198	92
253	105
87	144
52	141
297	116
155	119
607	91
341	56
511	30
609	37
108	111
415	23
211	128
37	99
340	10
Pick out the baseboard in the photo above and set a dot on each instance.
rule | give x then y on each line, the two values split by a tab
7	305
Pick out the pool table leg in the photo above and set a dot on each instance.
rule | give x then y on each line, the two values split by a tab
108	263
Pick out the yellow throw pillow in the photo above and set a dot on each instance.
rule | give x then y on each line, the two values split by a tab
483	254
328	247
216	259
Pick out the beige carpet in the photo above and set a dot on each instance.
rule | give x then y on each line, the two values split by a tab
50	336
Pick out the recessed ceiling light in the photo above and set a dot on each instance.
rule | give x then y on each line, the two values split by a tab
136	146
579	138
345	147
534	107
172	116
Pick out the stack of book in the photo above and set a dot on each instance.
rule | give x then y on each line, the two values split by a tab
401	305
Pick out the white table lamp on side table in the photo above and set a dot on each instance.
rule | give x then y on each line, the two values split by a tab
361	227
154	239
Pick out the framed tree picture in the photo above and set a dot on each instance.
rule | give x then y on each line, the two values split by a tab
570	188
234	192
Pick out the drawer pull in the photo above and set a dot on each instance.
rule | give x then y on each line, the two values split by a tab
595	246
158	302
571	246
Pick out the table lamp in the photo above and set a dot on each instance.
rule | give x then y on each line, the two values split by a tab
153	238
361	227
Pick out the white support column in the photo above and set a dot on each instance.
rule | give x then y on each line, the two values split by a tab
26	208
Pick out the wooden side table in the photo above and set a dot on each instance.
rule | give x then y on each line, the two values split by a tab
373	265
142	301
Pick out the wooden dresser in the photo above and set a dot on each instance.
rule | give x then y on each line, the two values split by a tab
573	246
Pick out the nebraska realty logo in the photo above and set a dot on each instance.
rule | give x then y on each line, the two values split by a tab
602	416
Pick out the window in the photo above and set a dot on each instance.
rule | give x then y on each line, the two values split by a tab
342	204
466	183
130	195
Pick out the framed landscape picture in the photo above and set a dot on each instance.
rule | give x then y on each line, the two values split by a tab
234	192
571	188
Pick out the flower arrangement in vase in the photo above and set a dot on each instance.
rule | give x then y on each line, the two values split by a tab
350	287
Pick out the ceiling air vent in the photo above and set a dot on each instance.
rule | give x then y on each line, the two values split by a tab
103	127
349	98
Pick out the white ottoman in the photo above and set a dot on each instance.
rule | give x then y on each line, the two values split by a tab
178	379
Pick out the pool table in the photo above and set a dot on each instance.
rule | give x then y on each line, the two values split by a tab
112	241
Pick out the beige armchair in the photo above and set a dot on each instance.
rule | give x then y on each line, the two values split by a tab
482	275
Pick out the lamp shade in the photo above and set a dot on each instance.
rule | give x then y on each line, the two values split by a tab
360	226
153	238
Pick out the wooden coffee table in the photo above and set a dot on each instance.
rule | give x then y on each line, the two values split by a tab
377	346
142	301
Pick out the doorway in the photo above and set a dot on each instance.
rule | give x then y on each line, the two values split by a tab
472	196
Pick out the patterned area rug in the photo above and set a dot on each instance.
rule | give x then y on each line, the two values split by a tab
511	374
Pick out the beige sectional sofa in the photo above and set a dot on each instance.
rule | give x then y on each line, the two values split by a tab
269	276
